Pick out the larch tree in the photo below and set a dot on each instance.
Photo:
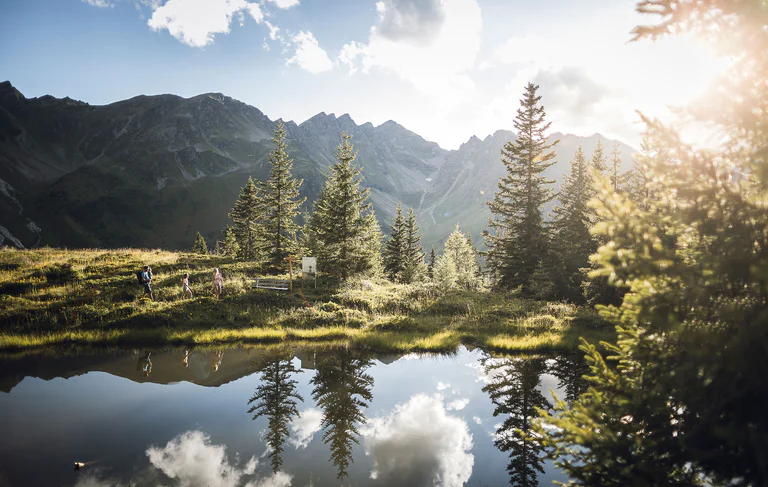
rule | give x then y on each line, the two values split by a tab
280	203
599	161
246	216
344	230
618	179
457	266
518	237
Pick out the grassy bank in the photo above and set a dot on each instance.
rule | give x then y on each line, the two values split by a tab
50	297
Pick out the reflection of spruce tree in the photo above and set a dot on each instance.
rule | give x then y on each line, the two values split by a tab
514	390
275	398
569	370
341	390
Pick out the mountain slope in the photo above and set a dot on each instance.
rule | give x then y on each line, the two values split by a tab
153	170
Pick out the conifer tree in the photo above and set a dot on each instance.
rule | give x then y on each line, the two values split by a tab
599	162
200	247
571	221
431	264
346	235
229	247
280	202
519	238
246	216
617	178
394	248
457	266
413	252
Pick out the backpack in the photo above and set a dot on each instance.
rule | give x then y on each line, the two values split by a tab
139	277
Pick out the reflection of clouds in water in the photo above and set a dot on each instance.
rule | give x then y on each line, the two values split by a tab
193	461
441	386
419	444
305	426
93	479
458	404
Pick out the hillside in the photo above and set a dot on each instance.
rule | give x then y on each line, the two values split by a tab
153	170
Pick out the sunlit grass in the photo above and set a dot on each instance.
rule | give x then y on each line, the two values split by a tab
91	297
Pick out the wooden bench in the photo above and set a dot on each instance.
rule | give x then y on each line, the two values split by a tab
274	284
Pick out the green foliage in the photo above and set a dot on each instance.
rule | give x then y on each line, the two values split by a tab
61	273
344	231
200	247
684	403
246	216
519	239
280	203
599	162
403	253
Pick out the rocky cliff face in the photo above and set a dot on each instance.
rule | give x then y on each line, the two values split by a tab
153	170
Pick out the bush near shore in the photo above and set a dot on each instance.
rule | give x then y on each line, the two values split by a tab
52	296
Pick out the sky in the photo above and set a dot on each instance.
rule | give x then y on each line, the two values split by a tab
445	69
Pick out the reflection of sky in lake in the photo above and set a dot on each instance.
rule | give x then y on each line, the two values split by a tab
429	423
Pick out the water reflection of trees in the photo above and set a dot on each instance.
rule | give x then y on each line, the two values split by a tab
275	398
514	388
342	389
570	370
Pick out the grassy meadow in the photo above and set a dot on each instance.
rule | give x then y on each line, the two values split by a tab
52	297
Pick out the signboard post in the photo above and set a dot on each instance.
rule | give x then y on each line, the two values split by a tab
309	266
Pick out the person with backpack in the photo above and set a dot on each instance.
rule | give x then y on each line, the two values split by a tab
218	283
145	278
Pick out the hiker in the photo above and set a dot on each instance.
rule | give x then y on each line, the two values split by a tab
185	286
217	283
146	278
185	358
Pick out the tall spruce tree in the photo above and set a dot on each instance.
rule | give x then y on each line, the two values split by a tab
431	263
572	218
280	202
344	230
413	251
246	216
683	403
519	238
200	247
394	248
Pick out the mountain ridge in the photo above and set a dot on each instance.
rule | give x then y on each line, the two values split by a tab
152	170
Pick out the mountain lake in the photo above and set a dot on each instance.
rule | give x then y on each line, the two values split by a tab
275	416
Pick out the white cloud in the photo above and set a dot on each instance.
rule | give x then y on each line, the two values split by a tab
419	444
255	10
441	386
457	405
309	55
99	3
285	3
305	426
435	60
193	461
279	479
195	22
477	420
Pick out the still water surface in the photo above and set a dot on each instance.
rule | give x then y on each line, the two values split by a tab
275	417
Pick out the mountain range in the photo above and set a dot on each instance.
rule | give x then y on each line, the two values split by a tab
151	171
